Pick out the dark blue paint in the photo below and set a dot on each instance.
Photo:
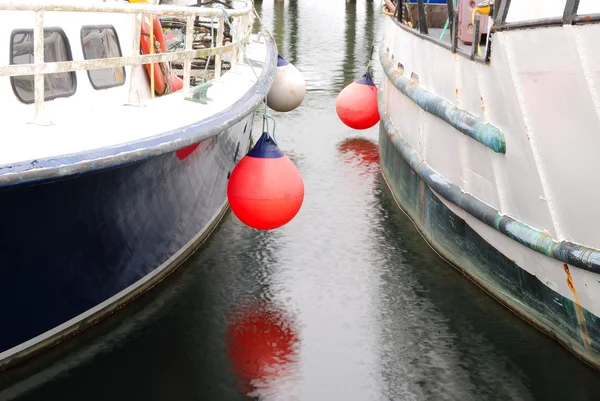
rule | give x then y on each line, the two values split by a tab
281	61
266	148
366	79
68	245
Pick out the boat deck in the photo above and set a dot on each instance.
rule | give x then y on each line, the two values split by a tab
125	124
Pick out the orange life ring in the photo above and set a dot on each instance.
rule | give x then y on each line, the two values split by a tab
160	78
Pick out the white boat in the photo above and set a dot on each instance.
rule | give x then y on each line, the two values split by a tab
489	138
105	186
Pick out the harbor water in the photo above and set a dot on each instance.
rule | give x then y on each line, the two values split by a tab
365	310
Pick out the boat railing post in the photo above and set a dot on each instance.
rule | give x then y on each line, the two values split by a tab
249	25
475	43
151	40
570	11
455	27
218	43
398	11
502	12
38	59
450	10
134	94
189	40
422	18
234	36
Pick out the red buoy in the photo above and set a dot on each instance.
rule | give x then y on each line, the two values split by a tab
265	190
356	105
261	345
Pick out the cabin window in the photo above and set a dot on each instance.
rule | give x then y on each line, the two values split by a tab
56	48
102	42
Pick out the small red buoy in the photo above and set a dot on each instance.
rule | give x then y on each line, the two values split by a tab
356	105
265	190
261	345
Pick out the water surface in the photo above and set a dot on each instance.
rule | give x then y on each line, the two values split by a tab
352	302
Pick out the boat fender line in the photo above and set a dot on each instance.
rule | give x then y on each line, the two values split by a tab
577	255
463	121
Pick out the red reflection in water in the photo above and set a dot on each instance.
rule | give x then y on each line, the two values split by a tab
261	345
361	150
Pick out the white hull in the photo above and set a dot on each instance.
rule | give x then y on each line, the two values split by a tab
540	89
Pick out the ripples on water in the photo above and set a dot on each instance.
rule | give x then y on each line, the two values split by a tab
346	302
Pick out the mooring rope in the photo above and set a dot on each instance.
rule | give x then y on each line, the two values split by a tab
234	35
378	18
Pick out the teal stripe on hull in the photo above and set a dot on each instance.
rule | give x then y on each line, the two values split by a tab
463	121
460	245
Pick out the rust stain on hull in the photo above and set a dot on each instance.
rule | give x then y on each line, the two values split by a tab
578	310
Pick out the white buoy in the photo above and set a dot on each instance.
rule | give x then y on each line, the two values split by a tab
288	89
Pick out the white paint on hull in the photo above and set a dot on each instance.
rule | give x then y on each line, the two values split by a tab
524	10
589	7
540	89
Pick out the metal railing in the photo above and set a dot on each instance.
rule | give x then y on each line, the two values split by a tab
498	18
242	27
422	29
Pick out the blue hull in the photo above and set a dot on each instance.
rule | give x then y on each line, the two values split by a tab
75	248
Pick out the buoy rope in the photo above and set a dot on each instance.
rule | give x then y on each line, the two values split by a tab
263	26
378	18
265	115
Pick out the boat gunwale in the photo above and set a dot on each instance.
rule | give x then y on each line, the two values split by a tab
31	171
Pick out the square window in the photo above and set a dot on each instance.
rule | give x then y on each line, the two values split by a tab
102	42
56	48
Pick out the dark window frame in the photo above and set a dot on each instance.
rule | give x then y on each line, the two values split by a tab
118	47
62	33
